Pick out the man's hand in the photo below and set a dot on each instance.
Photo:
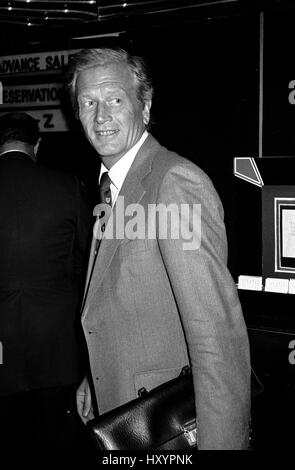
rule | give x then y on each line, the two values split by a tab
84	401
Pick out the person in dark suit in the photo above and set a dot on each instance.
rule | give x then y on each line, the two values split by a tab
44	232
159	296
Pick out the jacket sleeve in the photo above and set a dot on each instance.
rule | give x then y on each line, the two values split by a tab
209	309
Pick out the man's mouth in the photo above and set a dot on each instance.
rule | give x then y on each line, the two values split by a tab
106	133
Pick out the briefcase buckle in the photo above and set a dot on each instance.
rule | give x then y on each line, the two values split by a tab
190	432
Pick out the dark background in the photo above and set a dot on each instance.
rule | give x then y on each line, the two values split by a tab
206	68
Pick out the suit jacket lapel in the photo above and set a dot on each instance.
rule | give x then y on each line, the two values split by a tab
89	270
132	191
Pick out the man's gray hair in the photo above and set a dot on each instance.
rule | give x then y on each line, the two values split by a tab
88	58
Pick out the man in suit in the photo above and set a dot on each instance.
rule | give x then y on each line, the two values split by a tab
156	301
44	232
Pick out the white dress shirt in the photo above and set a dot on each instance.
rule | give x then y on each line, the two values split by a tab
120	169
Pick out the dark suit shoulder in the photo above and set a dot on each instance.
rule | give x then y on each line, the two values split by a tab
20	165
57	177
22	180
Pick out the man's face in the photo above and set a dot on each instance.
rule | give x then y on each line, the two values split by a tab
112	117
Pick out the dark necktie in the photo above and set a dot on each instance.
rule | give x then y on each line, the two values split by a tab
105	189
105	198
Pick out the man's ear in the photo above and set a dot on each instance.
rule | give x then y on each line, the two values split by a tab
146	112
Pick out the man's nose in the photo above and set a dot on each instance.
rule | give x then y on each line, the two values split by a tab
102	114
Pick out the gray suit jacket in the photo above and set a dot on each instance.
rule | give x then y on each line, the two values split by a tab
153	307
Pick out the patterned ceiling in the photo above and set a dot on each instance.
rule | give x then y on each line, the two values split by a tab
41	12
63	12
24	21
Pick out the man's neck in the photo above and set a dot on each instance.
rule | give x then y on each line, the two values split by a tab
110	161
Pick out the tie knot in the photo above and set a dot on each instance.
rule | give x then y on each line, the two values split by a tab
105	181
105	189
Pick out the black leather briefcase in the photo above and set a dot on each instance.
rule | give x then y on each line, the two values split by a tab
163	419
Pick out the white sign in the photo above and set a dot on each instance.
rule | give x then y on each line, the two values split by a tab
47	94
31	63
288	235
50	120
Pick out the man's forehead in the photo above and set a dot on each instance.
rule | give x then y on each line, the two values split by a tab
115	76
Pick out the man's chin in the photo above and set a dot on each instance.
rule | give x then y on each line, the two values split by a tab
103	148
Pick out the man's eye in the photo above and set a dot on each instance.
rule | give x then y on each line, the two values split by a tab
115	101
87	103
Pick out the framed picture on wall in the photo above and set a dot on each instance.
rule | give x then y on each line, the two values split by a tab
278	231
284	220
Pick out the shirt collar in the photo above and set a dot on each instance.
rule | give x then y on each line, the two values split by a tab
120	169
15	150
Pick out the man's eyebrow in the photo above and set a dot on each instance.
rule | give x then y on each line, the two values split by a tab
84	95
